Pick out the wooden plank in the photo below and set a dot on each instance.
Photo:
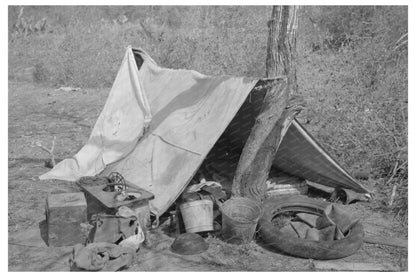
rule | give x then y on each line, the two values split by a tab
351	266
386	241
320	187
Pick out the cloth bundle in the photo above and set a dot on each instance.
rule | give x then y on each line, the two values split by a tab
114	242
204	190
101	256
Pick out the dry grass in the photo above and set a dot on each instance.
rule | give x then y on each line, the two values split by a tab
38	114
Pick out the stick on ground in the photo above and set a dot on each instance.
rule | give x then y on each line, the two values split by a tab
50	151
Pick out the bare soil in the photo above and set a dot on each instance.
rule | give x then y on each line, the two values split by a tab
37	113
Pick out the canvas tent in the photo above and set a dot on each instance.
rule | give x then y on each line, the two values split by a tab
159	125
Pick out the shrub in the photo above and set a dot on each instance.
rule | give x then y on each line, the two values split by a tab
357	91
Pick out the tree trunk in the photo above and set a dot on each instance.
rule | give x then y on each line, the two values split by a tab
278	109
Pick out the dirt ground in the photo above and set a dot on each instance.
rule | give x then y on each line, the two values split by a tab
38	114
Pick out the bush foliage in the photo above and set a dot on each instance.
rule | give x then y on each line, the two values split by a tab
351	61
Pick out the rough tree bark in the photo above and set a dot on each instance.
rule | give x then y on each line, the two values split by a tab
280	106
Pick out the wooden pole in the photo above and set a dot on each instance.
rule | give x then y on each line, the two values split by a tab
279	107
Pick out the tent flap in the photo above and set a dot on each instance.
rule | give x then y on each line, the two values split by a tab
117	130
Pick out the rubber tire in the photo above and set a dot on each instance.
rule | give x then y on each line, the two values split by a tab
319	250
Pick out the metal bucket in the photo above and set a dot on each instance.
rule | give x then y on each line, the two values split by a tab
239	219
197	216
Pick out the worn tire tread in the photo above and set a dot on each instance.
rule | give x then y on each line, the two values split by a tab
319	250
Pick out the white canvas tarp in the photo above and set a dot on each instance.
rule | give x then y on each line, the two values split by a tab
156	127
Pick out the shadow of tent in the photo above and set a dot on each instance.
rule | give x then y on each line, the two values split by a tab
43	228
